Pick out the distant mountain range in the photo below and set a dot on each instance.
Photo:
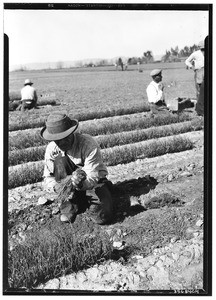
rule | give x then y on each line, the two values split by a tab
68	64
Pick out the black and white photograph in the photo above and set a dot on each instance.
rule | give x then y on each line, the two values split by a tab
107	149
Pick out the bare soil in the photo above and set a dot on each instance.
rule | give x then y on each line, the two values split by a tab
144	191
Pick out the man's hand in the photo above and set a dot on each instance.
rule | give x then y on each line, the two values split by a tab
77	178
49	185
161	86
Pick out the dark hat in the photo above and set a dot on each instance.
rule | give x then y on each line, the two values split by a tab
58	126
155	72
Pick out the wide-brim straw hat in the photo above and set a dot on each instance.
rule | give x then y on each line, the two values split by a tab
155	72
58	126
28	81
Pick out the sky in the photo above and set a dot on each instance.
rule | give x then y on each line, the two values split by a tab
68	35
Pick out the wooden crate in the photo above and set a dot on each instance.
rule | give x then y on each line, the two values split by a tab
172	104
178	104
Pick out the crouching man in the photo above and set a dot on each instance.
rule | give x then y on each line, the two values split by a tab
77	157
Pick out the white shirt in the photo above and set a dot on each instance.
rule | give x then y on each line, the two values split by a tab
28	93
198	58
154	93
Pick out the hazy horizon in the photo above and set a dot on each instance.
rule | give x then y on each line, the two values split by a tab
72	63
48	36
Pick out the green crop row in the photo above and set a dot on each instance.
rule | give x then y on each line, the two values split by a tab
130	137
106	141
24	121
54	251
22	140
13	105
32	172
24	174
28	139
26	155
151	148
14	96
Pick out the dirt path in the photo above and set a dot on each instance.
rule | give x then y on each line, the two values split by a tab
177	266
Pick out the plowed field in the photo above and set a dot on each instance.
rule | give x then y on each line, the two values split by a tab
158	197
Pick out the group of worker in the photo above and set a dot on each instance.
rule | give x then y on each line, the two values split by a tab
155	90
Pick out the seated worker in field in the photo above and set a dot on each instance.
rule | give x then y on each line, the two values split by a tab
155	92
28	96
77	157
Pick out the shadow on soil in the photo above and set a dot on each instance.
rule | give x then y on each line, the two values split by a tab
123	192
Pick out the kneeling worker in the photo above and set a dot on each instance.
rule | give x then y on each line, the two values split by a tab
155	92
68	152
28	96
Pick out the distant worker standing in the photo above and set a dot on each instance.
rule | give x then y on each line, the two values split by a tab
28	96
155	92
202	95
196	62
